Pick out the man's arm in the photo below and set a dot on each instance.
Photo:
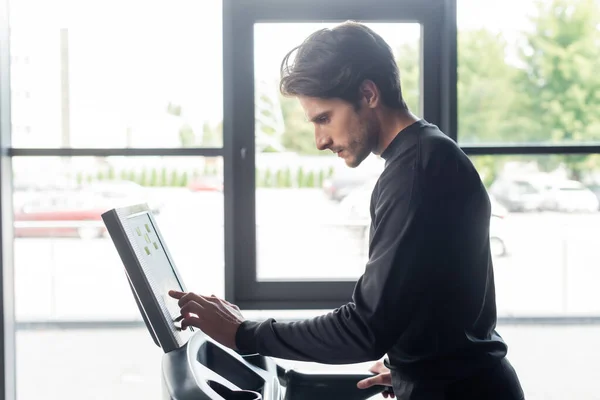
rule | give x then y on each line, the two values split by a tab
386	297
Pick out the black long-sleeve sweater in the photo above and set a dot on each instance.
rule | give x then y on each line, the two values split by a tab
426	298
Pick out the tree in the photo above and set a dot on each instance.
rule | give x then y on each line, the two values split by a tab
298	135
187	138
487	96
212	135
561	79
408	60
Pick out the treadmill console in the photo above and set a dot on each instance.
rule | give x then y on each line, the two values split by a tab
195	367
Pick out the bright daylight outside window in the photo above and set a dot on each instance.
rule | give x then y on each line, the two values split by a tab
108	75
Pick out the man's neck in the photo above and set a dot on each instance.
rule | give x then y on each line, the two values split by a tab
391	125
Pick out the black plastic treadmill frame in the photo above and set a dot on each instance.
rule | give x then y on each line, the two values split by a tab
115	221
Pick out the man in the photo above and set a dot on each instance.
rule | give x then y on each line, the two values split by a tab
426	298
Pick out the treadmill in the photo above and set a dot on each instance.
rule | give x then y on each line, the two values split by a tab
194	366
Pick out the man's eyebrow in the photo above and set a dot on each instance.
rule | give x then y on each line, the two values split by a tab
319	116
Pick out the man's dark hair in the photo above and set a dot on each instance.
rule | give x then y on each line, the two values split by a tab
333	63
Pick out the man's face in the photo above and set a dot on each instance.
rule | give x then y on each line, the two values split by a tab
351	134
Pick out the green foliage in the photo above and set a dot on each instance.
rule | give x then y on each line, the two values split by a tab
300	177
212	136
321	178
299	134
486	91
174	109
143	179
268	178
187	137
173	179
184	180
279	179
153	178
287	178
310	179
330	172
488	167
561	78
407	58
163	181
132	176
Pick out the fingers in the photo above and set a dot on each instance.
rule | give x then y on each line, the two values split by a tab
176	294
379	368
191	321
367	383
191	307
216	299
187	297
381	379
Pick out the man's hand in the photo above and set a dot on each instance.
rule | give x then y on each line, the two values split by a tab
216	317
384	378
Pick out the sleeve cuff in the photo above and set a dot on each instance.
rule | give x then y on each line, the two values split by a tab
245	337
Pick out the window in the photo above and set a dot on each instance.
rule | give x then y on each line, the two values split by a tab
68	273
99	83
112	104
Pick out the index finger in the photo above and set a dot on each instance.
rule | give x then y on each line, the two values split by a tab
201	300
176	294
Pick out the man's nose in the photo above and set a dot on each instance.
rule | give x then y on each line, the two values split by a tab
323	141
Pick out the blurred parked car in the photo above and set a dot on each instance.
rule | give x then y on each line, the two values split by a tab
346	180
67	213
595	188
517	195
569	196
74	211
544	194
498	228
206	184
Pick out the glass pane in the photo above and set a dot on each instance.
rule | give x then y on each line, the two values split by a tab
528	72
109	362
312	211
544	233
101	75
67	269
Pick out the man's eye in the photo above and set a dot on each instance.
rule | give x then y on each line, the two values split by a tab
323	120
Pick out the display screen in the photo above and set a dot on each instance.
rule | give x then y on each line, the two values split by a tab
156	264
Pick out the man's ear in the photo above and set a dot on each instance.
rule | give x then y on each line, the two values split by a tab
369	93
